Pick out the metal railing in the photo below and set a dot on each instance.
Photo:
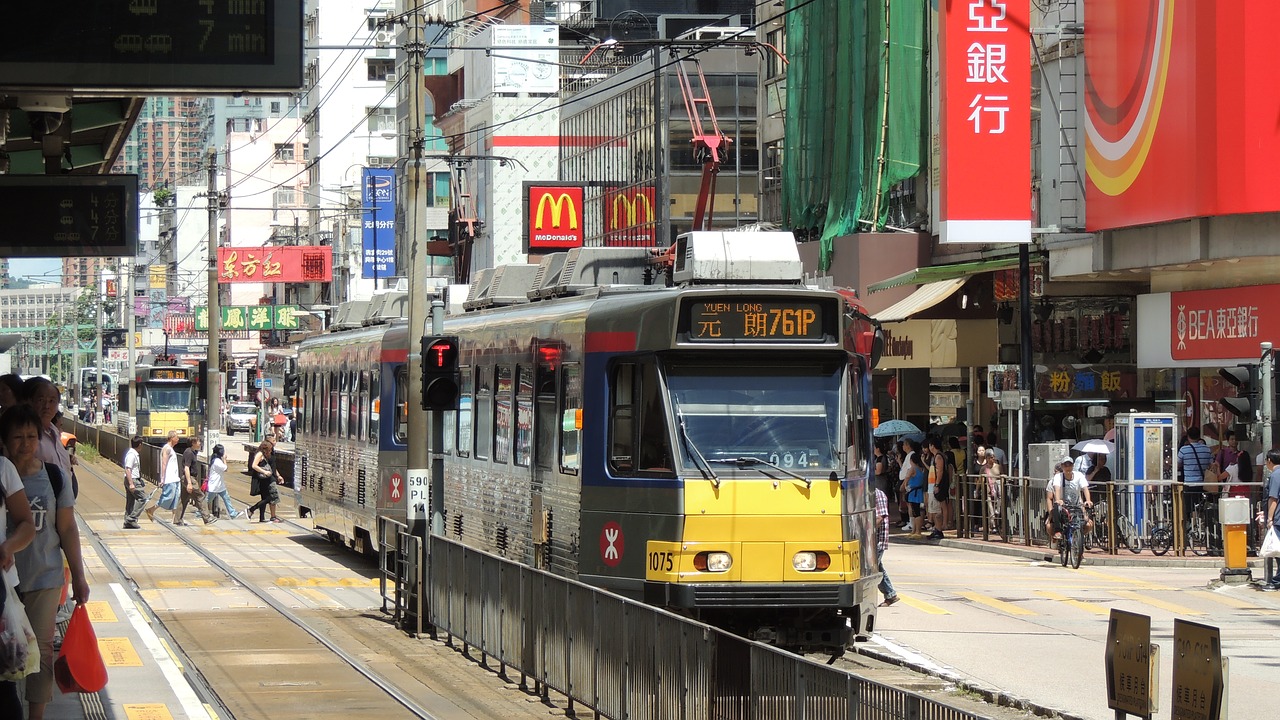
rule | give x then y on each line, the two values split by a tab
1011	509
618	657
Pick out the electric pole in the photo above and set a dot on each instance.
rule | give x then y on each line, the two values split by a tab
213	365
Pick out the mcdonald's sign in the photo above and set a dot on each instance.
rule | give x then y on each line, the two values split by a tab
553	216
629	217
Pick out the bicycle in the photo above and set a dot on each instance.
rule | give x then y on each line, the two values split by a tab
1198	532
1126	534
1071	544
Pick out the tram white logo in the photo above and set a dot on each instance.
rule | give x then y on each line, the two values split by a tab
611	537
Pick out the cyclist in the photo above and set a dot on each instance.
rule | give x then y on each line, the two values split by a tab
1066	491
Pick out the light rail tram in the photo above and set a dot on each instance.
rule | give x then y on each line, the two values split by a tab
689	429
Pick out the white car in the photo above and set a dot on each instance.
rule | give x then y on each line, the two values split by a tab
241	416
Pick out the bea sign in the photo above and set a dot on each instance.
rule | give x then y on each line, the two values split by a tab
553	217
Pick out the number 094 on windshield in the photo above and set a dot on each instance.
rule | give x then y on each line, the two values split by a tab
738	319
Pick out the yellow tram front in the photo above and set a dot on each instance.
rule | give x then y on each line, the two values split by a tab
167	399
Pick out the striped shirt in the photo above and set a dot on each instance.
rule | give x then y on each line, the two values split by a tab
882	521
1195	458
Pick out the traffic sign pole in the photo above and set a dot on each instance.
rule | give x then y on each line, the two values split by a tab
1266	372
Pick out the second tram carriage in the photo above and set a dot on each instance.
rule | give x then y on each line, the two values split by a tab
167	398
702	445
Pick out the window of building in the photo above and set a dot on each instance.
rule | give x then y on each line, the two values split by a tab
380	68
439	196
285	152
275	107
381	120
285	197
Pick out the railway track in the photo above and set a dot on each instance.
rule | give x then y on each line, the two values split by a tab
273	621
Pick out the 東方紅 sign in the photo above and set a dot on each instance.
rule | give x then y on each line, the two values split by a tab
985	195
282	264
1225	323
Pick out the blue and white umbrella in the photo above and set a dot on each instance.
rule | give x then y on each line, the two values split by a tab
893	428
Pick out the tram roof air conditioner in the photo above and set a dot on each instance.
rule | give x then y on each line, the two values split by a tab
591	267
728	257
507	285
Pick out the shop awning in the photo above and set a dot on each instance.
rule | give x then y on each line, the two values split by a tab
925	297
936	273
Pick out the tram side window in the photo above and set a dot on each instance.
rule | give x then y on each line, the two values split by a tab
362	411
484	414
502	411
353	406
638	439
344	403
544	420
402	404
375	406
331	422
465	404
570	426
524	416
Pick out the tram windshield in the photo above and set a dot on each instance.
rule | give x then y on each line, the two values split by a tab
786	415
164	398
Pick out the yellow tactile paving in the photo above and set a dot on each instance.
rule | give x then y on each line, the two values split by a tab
997	604
314	596
326	582
180	584
1156	603
118	652
922	606
147	711
100	611
1094	608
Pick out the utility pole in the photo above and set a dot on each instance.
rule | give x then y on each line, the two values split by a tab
131	353
213	373
98	311
1267	376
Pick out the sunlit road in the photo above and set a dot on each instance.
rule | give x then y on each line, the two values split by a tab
1038	630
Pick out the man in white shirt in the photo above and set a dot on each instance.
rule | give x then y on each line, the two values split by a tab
1067	489
135	489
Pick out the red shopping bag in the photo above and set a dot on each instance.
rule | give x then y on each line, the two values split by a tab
79	667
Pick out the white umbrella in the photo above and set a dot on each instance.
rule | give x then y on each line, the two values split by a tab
1095	446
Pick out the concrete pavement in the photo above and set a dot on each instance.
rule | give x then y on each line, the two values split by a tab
1036	631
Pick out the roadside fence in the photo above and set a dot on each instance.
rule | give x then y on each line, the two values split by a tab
1128	517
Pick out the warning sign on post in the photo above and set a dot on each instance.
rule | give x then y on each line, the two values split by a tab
1197	671
1130	664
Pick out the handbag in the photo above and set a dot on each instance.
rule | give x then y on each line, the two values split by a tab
19	649
79	667
1270	544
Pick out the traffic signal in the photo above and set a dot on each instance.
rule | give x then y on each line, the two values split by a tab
440	376
1245	405
292	382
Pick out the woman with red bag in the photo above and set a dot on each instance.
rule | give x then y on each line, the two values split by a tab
52	505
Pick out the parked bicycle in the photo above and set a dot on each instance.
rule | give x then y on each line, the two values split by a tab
1160	539
1199	527
1126	533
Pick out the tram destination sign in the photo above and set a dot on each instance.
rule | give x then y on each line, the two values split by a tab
69	215
743	319
156	46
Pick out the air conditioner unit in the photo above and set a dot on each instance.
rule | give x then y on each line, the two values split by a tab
384	37
391	78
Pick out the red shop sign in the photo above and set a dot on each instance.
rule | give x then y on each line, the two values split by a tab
1223	324
985	134
275	263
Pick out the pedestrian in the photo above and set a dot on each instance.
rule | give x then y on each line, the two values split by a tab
42	395
191	487
914	488
15	511
40	564
1271	512
10	390
1195	459
265	477
135	488
882	545
217	483
169	477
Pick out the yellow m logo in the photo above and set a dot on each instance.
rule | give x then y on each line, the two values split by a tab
626	210
558	205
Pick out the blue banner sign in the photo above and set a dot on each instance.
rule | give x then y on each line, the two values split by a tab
378	196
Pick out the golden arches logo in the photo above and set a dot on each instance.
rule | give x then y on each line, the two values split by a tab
1114	165
628	208
558	205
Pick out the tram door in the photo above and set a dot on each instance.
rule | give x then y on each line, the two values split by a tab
1147	452
546	384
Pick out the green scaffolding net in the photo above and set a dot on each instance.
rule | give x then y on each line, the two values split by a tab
844	146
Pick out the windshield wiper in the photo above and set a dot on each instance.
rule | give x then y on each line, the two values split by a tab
751	462
703	466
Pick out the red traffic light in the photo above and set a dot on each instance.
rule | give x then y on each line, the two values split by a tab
440	353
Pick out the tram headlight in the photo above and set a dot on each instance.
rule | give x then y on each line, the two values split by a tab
810	561
712	562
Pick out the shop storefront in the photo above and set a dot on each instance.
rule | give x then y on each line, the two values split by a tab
928	373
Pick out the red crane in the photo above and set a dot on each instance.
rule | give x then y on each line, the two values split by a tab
708	142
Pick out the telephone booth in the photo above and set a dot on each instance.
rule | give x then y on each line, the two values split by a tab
1147	452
